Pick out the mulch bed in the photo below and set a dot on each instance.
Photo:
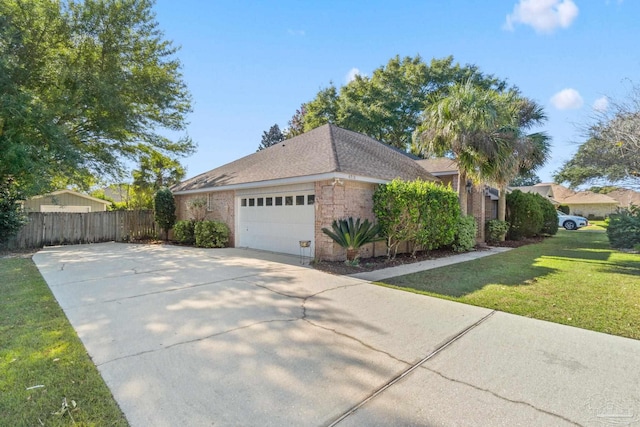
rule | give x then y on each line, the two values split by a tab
377	263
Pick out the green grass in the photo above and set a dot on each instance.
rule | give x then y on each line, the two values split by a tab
573	278
595	225
38	347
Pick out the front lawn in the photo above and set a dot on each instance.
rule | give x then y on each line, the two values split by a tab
43	364
574	278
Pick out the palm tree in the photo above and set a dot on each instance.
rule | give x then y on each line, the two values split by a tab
517	151
467	125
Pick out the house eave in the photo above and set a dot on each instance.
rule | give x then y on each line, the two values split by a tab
285	181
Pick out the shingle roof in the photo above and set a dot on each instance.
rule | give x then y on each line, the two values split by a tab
588	197
326	149
625	197
439	165
564	195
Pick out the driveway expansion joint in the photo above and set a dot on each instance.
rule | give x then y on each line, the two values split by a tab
409	370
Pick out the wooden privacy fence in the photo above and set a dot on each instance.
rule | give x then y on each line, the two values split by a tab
61	228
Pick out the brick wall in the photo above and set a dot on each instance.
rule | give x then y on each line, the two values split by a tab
338	201
220	207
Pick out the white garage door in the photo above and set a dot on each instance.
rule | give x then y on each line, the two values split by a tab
277	218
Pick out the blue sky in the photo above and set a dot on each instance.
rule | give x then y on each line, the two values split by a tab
250	65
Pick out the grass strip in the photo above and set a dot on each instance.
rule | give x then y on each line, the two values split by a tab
46	376
573	278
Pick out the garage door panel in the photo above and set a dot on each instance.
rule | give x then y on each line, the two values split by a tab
274	227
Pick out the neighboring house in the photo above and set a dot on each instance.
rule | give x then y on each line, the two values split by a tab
287	193
482	201
583	203
65	201
625	197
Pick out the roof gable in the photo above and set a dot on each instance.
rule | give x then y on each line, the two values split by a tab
327	149
73	193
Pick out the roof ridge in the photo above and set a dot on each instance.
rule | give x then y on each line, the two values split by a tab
334	150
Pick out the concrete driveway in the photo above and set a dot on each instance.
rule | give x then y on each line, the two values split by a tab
199	337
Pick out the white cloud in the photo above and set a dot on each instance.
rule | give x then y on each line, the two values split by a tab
543	15
351	75
567	99
601	104
299	33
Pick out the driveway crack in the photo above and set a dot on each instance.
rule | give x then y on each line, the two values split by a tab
520	402
217	334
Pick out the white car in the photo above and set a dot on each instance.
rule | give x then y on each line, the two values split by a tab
571	222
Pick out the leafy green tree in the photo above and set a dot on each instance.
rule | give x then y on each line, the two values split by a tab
86	86
388	105
154	172
271	137
296	124
164	206
611	153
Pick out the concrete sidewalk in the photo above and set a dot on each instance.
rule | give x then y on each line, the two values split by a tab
401	270
198	337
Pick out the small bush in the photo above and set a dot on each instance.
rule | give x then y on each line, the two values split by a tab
184	232
624	228
466	230
496	230
211	234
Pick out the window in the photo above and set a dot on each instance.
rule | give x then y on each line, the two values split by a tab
288	200
268	201
252	202
278	201
260	201
311	199
243	202
299	200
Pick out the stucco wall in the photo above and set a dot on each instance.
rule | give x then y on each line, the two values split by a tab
599	210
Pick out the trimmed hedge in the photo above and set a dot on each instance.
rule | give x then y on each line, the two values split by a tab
422	213
211	234
529	215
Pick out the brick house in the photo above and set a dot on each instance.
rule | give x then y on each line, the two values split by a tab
287	193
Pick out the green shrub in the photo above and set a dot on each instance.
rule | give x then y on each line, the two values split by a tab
524	215
422	213
466	230
564	209
184	231
496	230
549	216
211	234
624	228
